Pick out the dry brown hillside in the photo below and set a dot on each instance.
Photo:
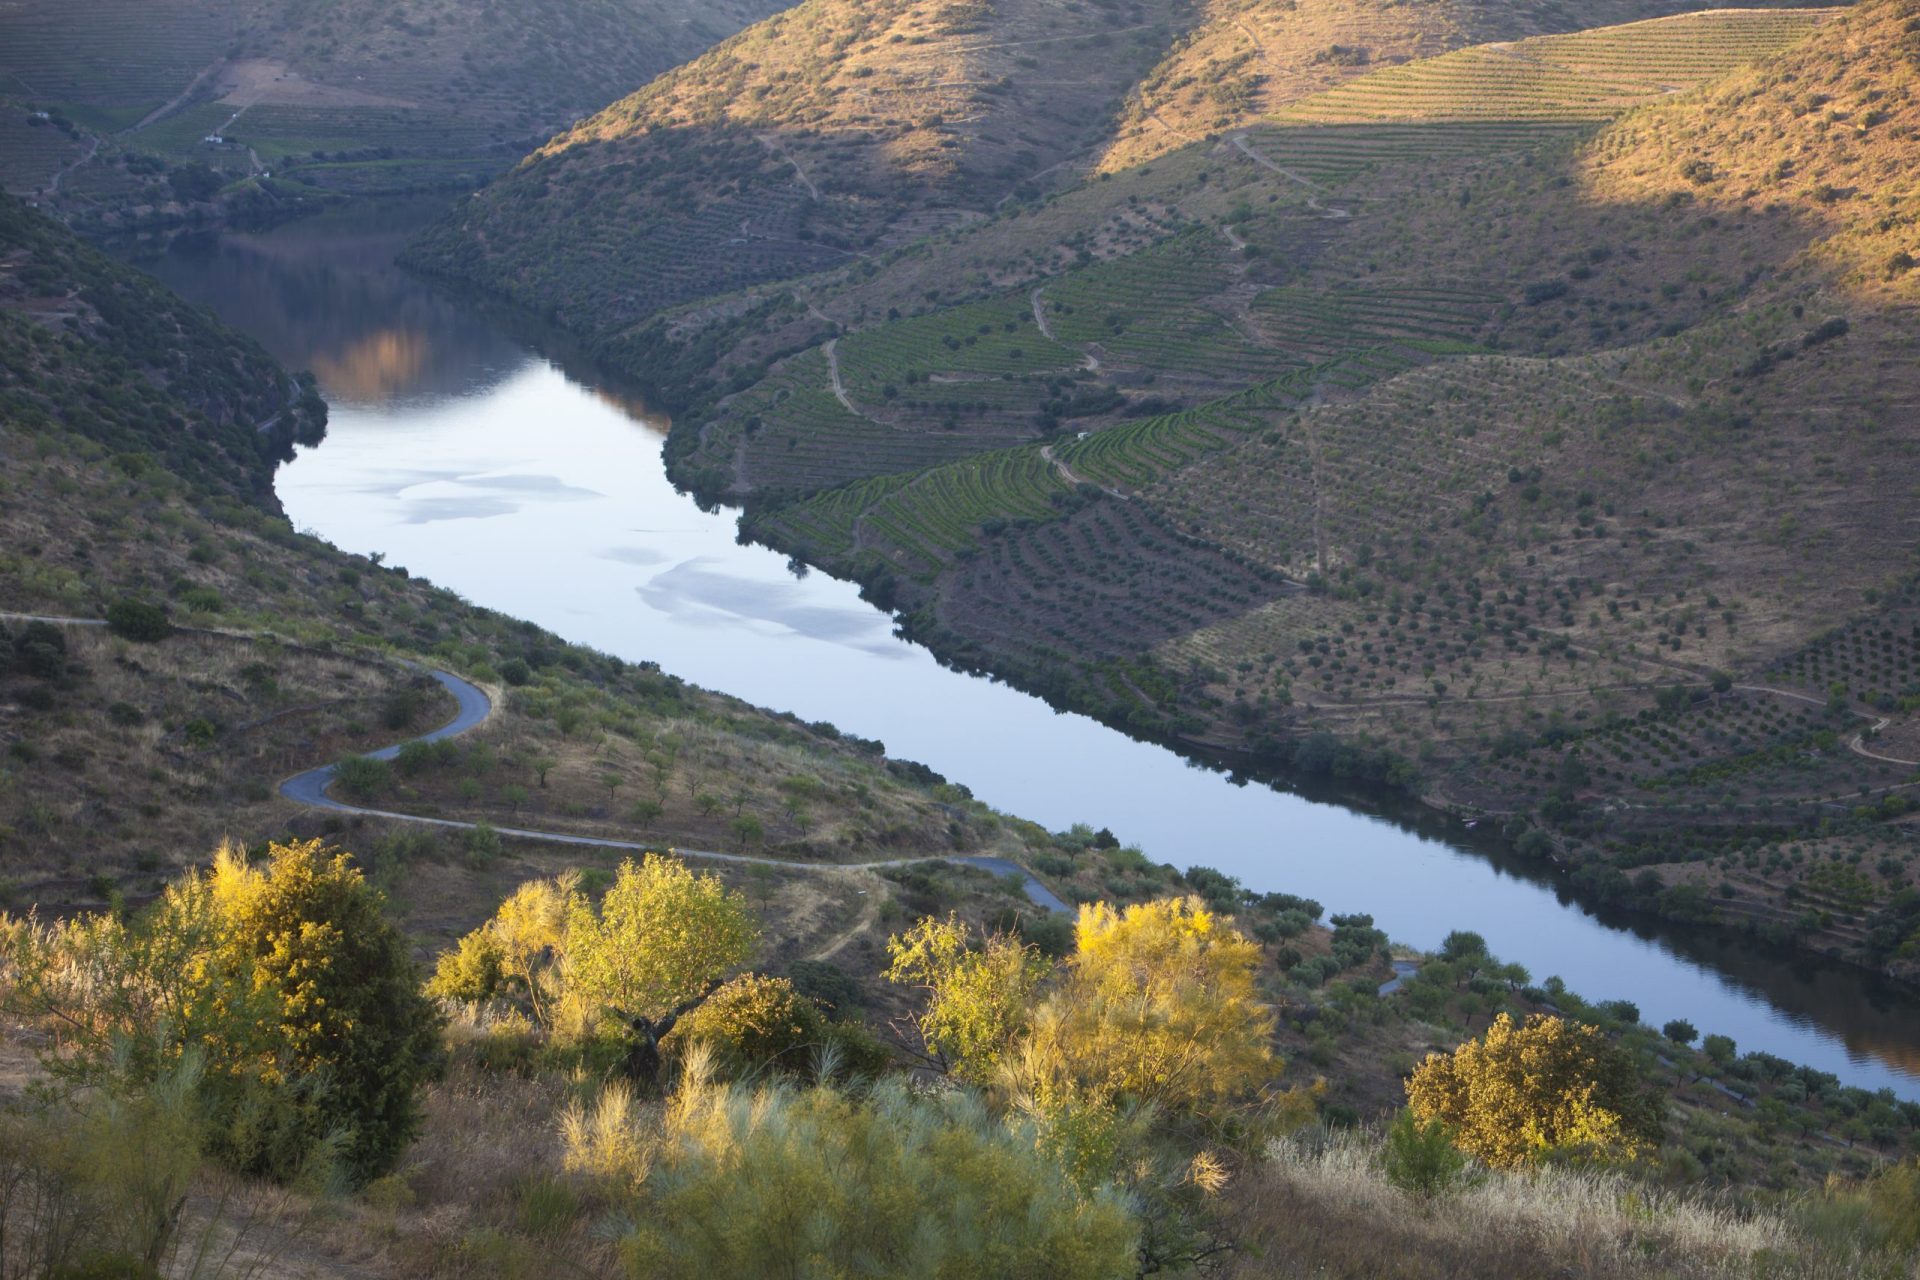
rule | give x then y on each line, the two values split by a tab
1245	59
1824	135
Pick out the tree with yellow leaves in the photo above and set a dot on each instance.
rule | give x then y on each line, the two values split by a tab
1520	1092
978	997
661	937
1158	1007
519	951
288	978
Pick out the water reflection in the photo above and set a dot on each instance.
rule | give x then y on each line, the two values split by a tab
489	470
377	368
322	294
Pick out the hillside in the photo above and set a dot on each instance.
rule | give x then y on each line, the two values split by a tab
1268	1048
140	437
809	141
1247	59
1478	412
837	130
349	97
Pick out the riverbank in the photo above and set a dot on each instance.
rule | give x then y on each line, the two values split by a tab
430	464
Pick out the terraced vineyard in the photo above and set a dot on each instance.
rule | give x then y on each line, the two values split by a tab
1137	454
979	341
123	57
968	366
1588	76
1435	319
790	434
1329	154
1103	577
1091	304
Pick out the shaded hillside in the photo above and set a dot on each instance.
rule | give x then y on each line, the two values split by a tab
349	96
1472	414
89	346
134	470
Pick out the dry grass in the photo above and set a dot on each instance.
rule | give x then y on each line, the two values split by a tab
1323	1208
143	750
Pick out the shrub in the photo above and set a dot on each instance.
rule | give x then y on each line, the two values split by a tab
40	650
1550	1085
133	619
826	982
302	993
886	1181
1419	1156
756	1024
363	777
516	672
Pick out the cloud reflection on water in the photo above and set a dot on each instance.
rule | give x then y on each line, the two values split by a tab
693	592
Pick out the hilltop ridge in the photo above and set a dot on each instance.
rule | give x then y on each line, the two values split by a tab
836	131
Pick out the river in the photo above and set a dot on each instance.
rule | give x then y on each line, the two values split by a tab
531	486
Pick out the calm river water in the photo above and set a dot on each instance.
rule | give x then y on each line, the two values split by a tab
462	452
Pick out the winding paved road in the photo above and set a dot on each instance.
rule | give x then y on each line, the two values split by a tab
475	708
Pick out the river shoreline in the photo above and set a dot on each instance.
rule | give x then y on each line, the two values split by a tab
405	456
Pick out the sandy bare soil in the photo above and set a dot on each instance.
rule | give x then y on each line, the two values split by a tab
267	82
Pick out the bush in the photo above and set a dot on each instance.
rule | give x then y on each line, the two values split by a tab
303	995
756	1024
1050	934
363	777
133	619
40	650
825	982
516	672
883	1182
1549	1085
753	1024
1419	1156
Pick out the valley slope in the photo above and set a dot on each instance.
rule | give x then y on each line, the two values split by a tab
311	101
1513	425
